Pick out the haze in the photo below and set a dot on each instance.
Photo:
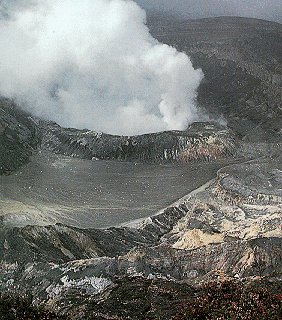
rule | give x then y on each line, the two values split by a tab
261	9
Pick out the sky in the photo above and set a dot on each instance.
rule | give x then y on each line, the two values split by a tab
262	9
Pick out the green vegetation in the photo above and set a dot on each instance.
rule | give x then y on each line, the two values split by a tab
230	300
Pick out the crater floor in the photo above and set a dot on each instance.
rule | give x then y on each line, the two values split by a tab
86	194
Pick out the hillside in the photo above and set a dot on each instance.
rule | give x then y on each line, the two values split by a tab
215	251
242	62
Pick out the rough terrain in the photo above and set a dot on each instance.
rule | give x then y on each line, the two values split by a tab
241	61
229	228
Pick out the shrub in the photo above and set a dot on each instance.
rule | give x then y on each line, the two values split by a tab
231	300
21	308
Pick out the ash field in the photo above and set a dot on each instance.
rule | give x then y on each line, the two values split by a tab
94	194
100	226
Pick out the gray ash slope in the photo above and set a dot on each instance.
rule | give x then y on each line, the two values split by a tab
231	226
241	60
218	232
153	171
86	194
201	141
19	136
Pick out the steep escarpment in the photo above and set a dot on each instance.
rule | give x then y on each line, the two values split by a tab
215	232
201	141
236	207
60	243
259	186
241	60
230	228
19	136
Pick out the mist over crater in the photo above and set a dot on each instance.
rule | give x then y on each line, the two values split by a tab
94	64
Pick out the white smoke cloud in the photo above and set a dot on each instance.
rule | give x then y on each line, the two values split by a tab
93	64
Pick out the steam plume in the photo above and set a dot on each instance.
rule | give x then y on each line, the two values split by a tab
93	64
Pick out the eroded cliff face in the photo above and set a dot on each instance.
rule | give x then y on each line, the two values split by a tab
200	142
229	228
244	203
19	136
241	61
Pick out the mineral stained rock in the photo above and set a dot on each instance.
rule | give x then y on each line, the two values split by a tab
21	135
201	141
230	228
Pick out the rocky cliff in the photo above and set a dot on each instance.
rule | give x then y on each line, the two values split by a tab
19	136
201	141
241	61
230	228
